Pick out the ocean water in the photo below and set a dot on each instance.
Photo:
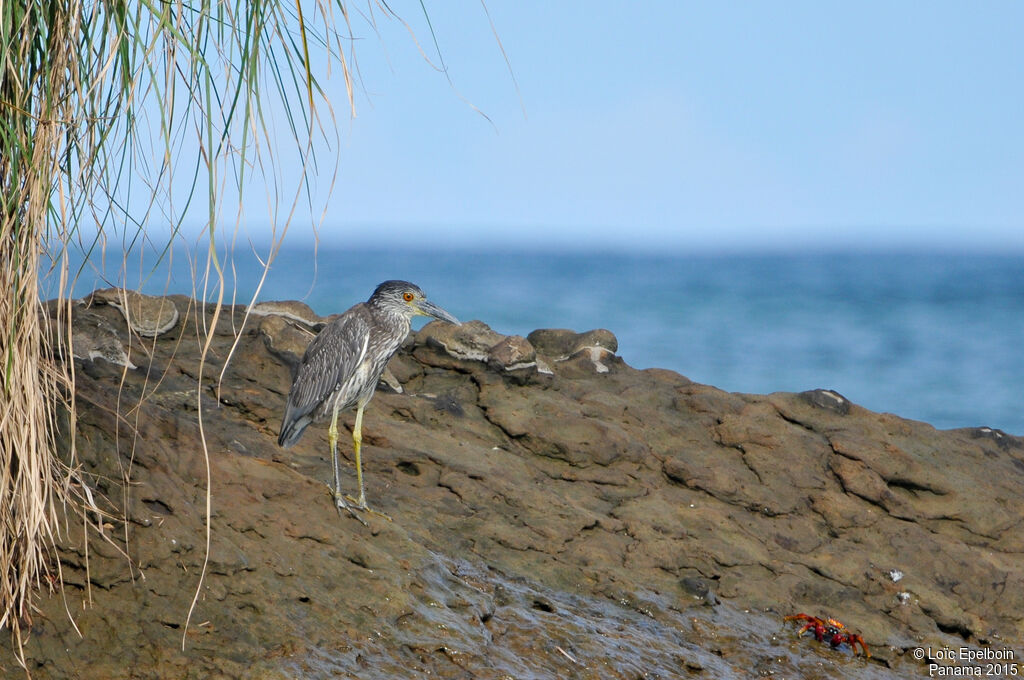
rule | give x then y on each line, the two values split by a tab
933	337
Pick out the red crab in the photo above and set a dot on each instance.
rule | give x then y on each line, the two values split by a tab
830	631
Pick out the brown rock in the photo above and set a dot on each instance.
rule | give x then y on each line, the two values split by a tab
568	524
147	315
592	350
285	338
93	338
561	344
471	341
511	353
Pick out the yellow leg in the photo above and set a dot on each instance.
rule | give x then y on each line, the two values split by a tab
339	500
332	437
357	443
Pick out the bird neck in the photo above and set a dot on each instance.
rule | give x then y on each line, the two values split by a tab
394	317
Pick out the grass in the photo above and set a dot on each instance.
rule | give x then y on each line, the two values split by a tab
36	389
115	116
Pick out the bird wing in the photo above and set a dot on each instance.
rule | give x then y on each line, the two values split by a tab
331	359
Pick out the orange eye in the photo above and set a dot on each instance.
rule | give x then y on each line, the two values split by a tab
407	296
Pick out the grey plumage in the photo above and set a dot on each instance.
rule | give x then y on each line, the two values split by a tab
340	368
343	364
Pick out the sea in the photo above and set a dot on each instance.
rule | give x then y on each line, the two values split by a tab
934	337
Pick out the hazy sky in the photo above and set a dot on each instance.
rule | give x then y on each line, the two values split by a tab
689	126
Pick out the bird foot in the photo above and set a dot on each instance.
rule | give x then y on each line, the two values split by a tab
361	505
341	504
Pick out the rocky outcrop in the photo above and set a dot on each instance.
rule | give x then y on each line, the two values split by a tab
556	513
147	315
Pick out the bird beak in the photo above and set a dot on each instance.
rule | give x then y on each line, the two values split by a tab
430	309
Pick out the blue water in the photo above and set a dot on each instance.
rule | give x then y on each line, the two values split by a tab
929	337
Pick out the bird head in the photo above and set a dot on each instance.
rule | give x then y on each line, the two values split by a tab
406	299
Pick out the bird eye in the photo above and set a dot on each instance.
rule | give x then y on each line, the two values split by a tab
407	296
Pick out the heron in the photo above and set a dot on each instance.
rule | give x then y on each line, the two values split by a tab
342	365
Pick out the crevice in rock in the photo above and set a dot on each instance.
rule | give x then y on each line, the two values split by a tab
793	421
818	571
508	436
743	456
409	468
455	493
954	628
157	506
542	606
912	486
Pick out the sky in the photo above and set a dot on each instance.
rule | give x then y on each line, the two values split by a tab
683	126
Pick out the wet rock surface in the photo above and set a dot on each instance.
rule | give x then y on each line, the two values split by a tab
556	512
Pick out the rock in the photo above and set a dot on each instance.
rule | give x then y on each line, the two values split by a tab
93	338
147	315
292	310
512	353
596	346
559	524
286	338
560	344
1003	440
471	341
827	399
475	341
700	589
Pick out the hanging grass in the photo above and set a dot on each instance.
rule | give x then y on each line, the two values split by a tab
35	88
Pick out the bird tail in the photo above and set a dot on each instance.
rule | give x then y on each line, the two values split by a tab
292	429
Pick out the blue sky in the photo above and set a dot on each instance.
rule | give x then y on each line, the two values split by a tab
684	126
